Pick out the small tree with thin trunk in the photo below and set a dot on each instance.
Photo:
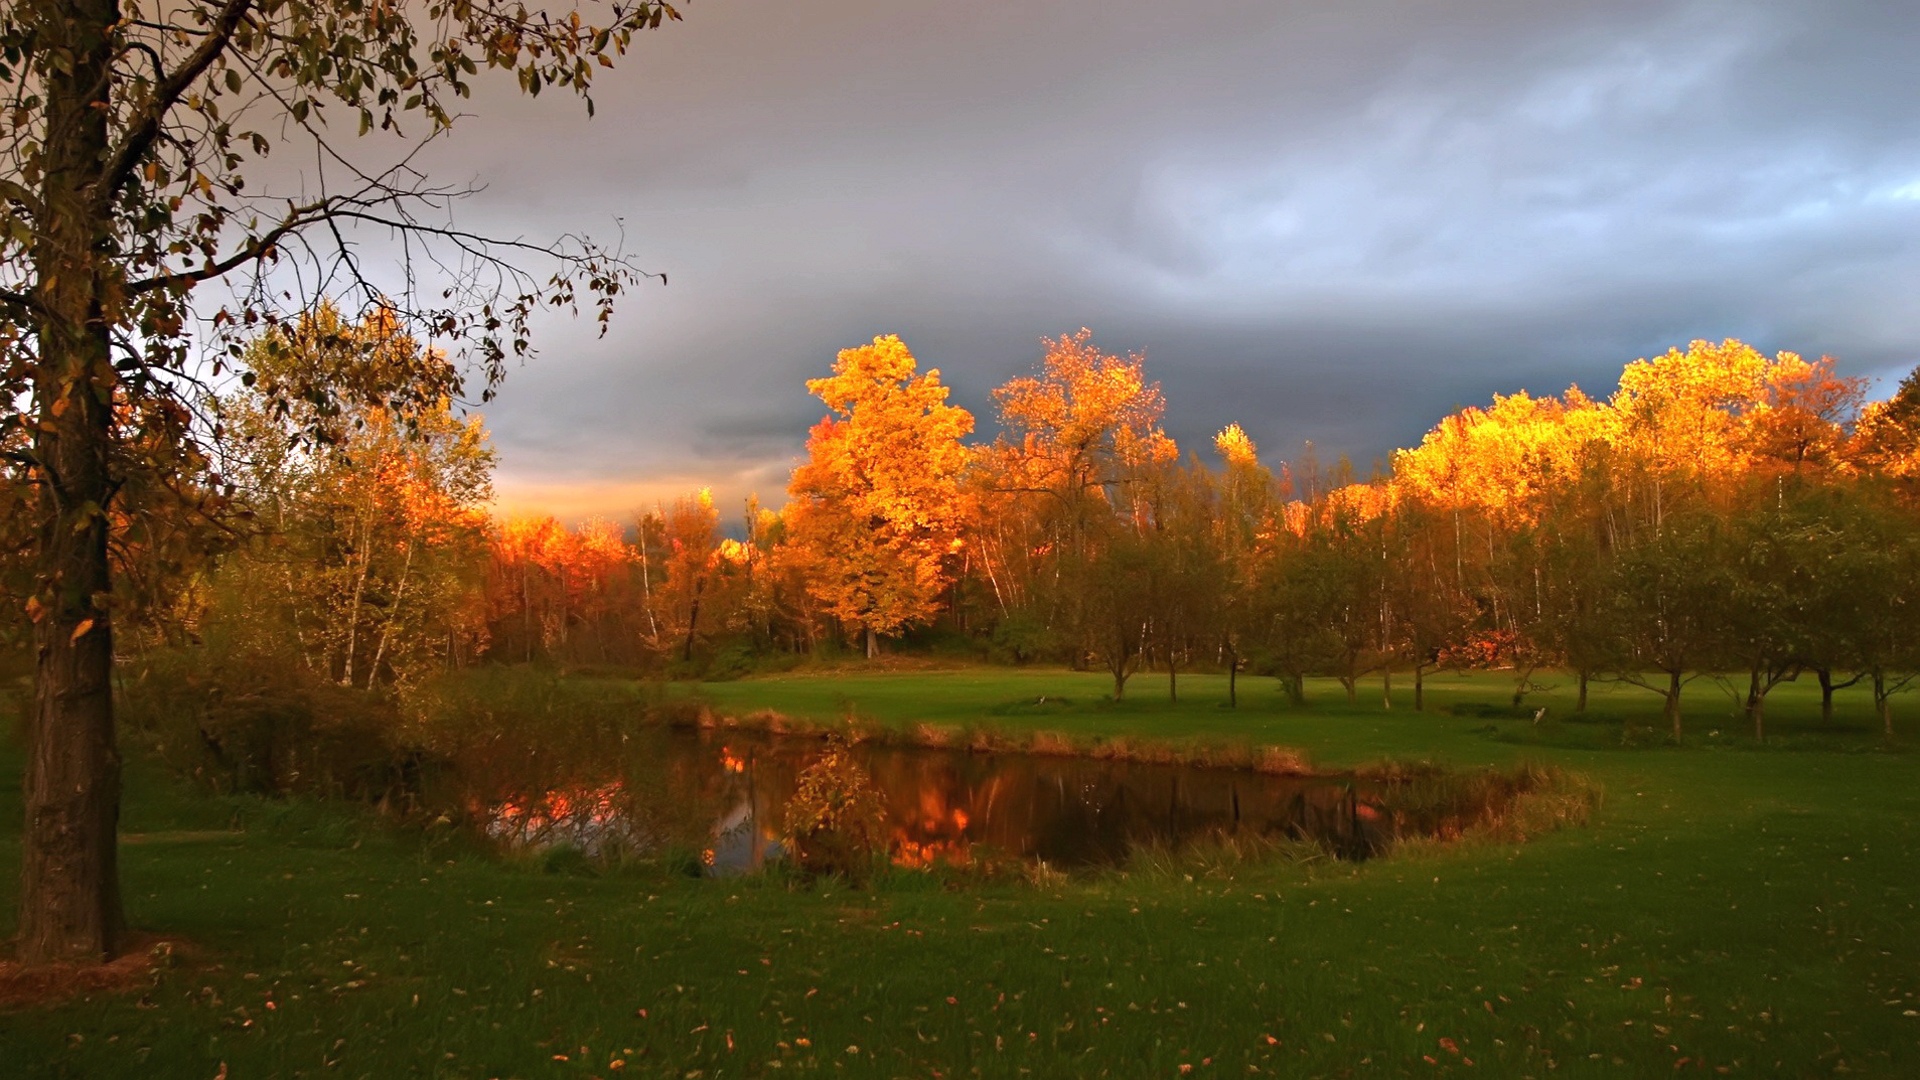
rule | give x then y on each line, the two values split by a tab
1669	590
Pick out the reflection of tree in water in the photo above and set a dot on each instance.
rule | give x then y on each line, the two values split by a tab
724	797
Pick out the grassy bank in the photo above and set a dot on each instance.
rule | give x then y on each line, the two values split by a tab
1732	908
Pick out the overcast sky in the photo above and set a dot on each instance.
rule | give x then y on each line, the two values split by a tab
1333	220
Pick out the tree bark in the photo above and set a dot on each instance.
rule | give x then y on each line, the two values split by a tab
1233	676
873	644
1419	688
1673	702
1296	690
1826	696
1386	689
1580	705
693	619
70	887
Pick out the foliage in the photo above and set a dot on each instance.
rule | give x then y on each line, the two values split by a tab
875	514
368	546
131	175
836	821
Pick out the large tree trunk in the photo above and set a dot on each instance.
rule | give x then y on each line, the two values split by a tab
873	644
1580	706
70	884
1233	676
1419	688
1826	696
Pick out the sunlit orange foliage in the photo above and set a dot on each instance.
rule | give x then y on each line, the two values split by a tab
1685	413
1236	447
876	506
1506	458
549	585
1082	420
1807	408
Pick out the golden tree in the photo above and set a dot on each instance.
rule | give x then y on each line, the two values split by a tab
875	512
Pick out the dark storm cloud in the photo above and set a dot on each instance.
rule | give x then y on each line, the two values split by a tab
1332	221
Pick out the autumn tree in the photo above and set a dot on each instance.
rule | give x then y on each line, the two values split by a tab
129	177
370	540
875	512
1246	530
1184	571
1806	414
1079	437
1887	436
563	593
696	582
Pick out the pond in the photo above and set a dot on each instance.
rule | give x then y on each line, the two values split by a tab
722	793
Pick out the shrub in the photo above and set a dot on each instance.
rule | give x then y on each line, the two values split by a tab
836	820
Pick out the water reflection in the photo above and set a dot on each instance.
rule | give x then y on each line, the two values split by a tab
723	793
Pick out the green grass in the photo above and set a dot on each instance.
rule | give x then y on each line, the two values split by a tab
1731	908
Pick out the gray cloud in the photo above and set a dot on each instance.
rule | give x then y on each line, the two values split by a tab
1324	220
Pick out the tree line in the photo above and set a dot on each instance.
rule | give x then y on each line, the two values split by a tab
1722	515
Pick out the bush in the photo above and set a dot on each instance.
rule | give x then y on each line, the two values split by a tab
836	820
1020	637
264	725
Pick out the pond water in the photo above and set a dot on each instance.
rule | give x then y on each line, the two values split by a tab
723	793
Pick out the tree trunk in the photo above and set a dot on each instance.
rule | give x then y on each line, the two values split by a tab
1580	705
1826	696
1883	701
1233	676
70	883
1673	702
1351	685
1419	688
1119	683
1756	703
873	644
1173	679
1386	689
693	619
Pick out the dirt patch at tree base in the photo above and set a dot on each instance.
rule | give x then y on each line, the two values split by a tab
48	985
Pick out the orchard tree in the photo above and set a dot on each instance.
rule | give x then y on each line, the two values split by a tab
132	139
1246	530
875	517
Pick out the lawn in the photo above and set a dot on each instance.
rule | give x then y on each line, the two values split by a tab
1733	910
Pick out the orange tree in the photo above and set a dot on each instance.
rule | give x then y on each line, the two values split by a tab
875	516
130	175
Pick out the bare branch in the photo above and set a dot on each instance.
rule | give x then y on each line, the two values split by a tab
255	249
